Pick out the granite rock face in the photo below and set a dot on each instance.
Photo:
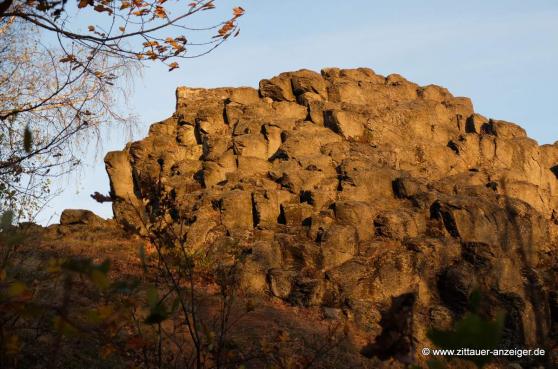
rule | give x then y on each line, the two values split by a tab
356	193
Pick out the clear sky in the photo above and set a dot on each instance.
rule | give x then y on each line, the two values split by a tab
503	54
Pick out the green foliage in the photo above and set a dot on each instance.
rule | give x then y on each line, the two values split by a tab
6	219
158	311
46	310
472	331
97	273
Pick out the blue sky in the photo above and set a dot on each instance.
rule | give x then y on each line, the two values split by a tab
503	54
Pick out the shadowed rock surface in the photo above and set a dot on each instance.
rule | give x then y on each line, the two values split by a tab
357	194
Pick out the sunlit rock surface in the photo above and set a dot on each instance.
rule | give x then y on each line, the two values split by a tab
361	195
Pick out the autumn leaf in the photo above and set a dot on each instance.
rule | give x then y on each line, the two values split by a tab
101	8
68	58
141	12
178	47
151	55
42	6
173	66
122	29
84	3
179	50
124	5
91	28
227	27
181	39
150	44
238	11
208	6
160	12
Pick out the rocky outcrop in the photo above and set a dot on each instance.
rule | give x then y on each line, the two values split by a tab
356	193
79	216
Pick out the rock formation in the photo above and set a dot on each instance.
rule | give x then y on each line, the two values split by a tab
358	194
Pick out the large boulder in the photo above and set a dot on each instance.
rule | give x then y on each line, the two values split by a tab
81	217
